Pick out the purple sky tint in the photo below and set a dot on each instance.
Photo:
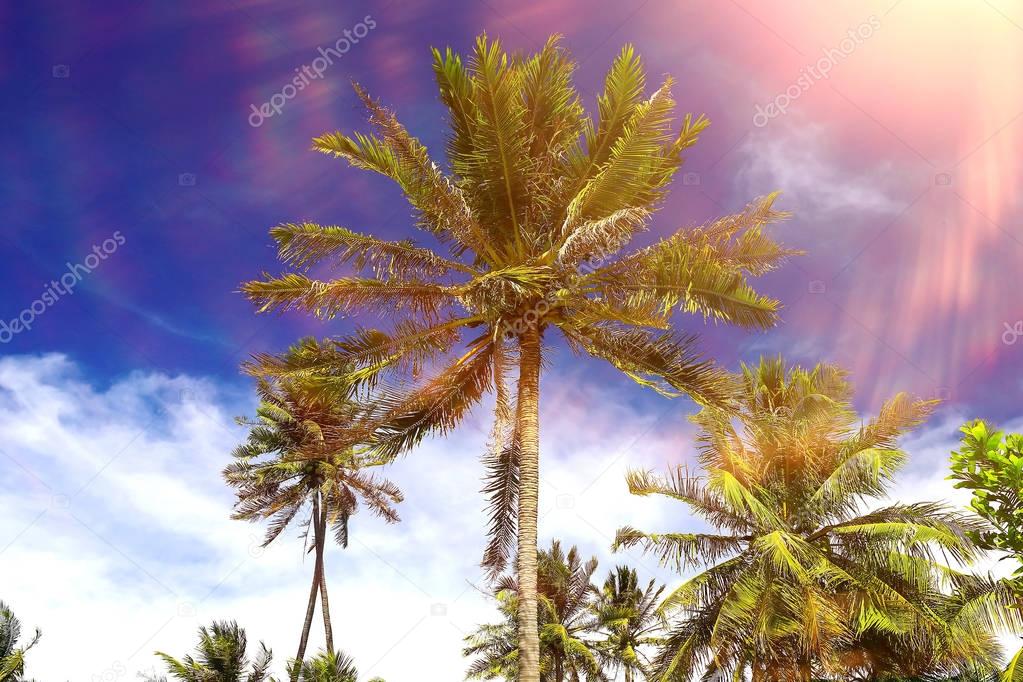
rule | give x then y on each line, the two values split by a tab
901	164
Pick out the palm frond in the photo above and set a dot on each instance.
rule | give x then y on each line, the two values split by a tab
603	237
496	165
690	489
348	294
305	244
406	417
343	365
664	362
441	205
702	270
636	170
680	550
501	480
623	92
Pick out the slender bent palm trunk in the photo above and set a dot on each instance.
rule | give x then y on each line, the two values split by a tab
529	491
321	540
311	607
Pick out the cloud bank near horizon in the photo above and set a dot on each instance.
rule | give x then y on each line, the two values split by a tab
117	540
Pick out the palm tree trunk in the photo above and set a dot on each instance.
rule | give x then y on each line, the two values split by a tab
311	607
529	492
559	669
321	542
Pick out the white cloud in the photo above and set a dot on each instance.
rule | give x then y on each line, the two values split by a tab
798	158
115	537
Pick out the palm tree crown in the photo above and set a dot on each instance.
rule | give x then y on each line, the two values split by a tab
221	656
537	190
565	619
805	579
328	666
290	462
627	615
12	657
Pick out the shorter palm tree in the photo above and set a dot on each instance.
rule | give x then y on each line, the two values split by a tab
566	590
12	657
221	656
495	646
566	595
327	666
291	462
804	583
627	616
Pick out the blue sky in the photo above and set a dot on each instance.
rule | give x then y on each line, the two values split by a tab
130	150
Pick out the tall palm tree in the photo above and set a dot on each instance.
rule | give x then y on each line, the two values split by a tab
534	211
221	657
12	657
627	616
566	595
290	462
802	576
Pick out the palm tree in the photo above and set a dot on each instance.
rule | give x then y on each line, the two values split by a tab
328	666
566	595
803	578
222	657
628	617
957	643
12	658
495	646
536	207
289	463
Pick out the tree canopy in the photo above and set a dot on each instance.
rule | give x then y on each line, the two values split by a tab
805	581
